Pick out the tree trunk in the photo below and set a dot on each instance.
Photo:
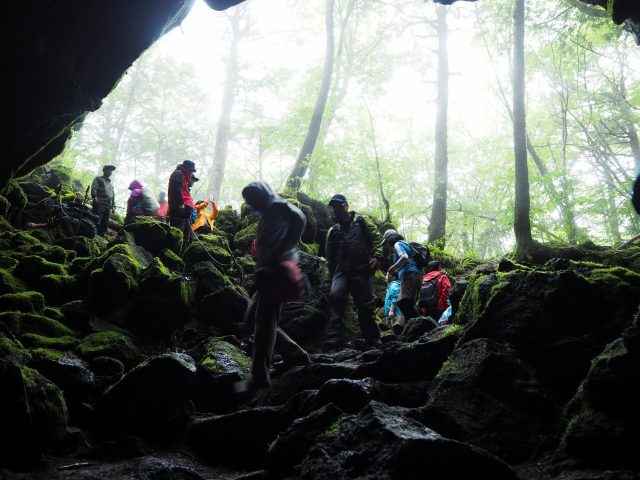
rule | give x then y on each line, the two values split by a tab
522	221
437	223
611	215
300	167
223	132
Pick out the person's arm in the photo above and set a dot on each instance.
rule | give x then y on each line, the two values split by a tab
374	237
94	189
32	225
175	188
402	257
329	252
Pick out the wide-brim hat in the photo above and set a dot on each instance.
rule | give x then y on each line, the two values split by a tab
190	165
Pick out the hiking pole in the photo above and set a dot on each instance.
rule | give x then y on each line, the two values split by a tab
86	193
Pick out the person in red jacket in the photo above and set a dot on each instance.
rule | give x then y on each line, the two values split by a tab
433	301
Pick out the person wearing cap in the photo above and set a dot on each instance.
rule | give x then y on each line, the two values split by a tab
410	275
181	203
353	252
103	197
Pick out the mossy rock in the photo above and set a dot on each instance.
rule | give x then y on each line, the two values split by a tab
21	323
172	260
9	283
109	344
21	241
227	221
224	358
59	289
82	246
209	278
154	235
245	237
224	308
45	236
4	211
379	286
16	196
13	350
34	413
32	267
33	340
28	302
115	282
209	248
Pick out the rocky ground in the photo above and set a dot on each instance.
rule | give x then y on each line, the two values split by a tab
118	358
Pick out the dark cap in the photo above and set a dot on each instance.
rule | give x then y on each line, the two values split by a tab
190	165
108	167
338	198
433	265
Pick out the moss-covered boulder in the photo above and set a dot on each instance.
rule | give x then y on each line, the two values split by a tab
245	237
57	254
209	248
15	194
20	323
227	221
32	267
223	358
33	340
9	283
172	260
163	302
13	350
602	420
152	400
485	394
82	246
115	282
551	315
33	413
28	302
109	344
59	289
154	235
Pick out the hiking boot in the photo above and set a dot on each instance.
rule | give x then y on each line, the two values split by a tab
398	326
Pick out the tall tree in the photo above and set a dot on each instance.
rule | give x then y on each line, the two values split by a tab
223	132
522	206
438	221
300	167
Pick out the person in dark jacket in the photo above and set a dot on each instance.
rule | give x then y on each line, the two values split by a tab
353	253
181	203
103	197
635	195
278	279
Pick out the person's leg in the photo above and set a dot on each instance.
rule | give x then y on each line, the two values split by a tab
362	291
99	209
266	318
291	352
337	301
409	291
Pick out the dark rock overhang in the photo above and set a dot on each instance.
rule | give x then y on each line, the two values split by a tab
62	58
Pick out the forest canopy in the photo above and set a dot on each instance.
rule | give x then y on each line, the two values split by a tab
408	108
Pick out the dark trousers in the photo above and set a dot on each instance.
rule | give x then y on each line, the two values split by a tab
268	337
360	286
410	284
102	210
181	218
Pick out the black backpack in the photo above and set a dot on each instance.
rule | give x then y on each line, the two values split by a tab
429	294
421	254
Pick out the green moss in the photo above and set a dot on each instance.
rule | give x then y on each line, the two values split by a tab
310	248
222	357
32	267
21	323
453	330
9	283
244	237
615	276
333	428
59	289
15	195
171	260
12	350
109	344
209	248
154	235
48	400
4	210
30	302
34	340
